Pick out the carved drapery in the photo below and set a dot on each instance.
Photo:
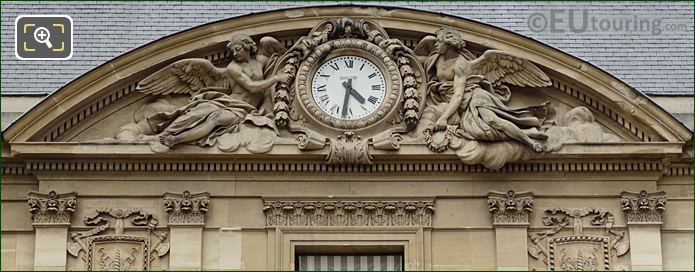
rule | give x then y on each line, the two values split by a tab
186	208
51	208
348	213
643	207
510	208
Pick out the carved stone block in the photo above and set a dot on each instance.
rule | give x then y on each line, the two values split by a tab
511	208
186	208
348	213
51	208
643	207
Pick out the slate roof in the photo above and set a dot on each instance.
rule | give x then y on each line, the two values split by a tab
654	64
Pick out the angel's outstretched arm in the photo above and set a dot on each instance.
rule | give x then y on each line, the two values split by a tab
251	85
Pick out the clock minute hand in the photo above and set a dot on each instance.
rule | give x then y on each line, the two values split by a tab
348	86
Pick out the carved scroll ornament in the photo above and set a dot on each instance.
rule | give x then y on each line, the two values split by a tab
348	213
51	208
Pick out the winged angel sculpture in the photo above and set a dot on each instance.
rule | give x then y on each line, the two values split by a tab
467	96
221	100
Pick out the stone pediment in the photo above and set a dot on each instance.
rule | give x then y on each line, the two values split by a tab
420	86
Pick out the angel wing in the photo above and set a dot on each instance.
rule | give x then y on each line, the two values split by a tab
185	76
268	46
426	46
501	67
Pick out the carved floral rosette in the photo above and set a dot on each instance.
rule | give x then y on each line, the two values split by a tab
510	208
51	208
186	208
643	207
348	213
579	253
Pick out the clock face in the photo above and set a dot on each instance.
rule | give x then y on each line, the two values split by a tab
348	87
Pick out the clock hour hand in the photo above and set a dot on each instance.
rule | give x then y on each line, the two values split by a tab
348	87
357	95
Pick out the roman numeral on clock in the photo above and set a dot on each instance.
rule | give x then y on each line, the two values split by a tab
324	99
321	88
376	87
335	66
349	63
372	99
372	75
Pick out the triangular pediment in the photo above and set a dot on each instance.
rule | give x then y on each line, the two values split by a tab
529	90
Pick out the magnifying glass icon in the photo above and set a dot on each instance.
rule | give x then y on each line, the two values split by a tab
42	35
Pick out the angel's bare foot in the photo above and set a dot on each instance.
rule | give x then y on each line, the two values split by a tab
535	134
147	138
158	147
167	140
538	147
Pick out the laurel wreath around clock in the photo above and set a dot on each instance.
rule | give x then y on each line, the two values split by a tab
364	49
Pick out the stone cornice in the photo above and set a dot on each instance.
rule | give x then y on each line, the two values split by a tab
643	207
284	164
510	208
186	208
52	208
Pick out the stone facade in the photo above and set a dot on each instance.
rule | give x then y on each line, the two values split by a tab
479	154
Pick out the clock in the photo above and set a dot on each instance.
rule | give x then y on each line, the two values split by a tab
348	87
348	84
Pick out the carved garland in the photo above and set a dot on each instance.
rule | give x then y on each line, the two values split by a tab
373	52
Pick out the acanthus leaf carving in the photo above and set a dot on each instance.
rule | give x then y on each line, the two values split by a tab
51	208
643	207
349	148
510	208
186	208
348	213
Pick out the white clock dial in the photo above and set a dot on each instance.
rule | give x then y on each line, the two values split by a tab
348	87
